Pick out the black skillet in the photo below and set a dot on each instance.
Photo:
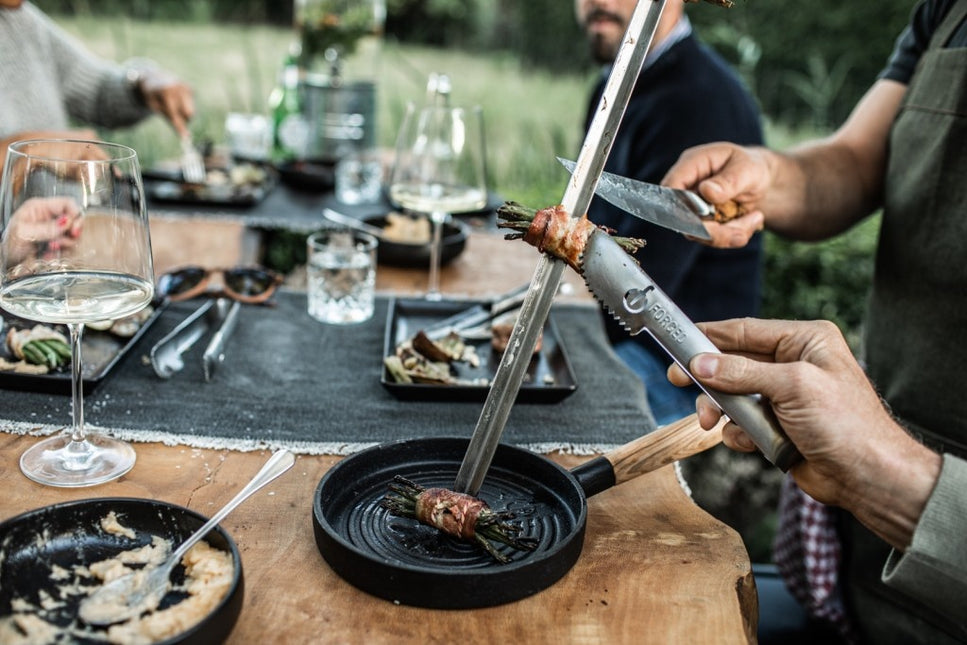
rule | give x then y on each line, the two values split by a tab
404	561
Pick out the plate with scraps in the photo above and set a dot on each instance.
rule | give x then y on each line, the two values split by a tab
103	346
461	367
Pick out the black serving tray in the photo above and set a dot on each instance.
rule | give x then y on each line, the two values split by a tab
164	184
549	377
101	351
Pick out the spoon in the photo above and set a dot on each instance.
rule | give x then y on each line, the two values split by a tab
140	591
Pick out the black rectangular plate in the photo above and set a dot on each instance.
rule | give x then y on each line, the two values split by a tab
100	353
407	316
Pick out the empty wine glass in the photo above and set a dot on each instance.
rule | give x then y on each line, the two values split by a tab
439	170
75	249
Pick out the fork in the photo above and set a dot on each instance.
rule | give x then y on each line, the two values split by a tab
192	166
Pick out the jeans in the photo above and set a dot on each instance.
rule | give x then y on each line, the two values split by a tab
667	402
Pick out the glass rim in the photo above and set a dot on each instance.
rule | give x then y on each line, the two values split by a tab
120	152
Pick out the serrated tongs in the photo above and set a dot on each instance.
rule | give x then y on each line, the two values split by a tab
540	296
633	298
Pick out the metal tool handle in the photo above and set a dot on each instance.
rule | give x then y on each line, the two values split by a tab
679	336
547	277
280	461
215	352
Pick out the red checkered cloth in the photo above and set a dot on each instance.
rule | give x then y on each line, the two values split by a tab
808	553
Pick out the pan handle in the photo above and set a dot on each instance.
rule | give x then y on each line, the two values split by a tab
677	440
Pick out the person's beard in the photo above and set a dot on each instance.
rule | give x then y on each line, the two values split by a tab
604	48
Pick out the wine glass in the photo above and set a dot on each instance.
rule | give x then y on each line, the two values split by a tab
75	249
439	170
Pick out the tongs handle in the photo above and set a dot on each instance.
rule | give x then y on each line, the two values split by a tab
639	303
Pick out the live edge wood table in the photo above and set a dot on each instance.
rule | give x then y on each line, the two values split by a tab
655	568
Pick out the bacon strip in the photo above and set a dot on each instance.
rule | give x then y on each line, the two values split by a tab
554	231
451	512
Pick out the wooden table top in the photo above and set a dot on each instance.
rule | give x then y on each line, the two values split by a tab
655	568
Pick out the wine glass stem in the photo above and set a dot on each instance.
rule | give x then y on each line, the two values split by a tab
437	218
77	382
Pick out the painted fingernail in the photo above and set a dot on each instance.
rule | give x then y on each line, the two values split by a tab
53	245
705	365
62	221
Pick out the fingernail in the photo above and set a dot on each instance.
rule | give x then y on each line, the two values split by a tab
62	221
54	245
705	365
714	185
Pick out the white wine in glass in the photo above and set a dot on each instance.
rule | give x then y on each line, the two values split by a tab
439	169
75	249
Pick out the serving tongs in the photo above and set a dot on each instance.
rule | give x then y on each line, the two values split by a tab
544	284
219	314
478	316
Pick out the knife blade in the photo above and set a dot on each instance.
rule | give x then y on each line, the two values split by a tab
637	303
678	210
215	352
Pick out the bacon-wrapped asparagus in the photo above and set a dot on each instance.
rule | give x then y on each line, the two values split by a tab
553	231
457	514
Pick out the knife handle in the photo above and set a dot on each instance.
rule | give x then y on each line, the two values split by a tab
679	336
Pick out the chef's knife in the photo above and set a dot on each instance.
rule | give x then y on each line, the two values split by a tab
678	210
215	352
634	299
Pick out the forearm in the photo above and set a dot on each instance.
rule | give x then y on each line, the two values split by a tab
822	188
816	192
896	478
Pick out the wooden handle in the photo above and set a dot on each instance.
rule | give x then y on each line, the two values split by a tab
727	211
671	442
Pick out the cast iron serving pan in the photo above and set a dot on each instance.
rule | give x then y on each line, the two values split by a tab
401	560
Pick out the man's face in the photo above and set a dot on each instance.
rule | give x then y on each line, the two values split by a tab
604	22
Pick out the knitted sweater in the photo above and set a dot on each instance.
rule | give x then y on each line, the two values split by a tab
49	81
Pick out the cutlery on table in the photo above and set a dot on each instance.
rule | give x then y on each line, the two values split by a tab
192	165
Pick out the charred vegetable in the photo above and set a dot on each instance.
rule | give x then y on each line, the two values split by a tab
40	346
456	514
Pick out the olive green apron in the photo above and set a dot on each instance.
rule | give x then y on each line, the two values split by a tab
916	326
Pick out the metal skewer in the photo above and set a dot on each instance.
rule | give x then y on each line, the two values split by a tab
547	277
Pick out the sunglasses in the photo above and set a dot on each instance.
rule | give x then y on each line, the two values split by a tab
250	285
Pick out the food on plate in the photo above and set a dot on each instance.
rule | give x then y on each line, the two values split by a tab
500	333
39	345
124	327
406	230
209	573
422	360
457	514
552	230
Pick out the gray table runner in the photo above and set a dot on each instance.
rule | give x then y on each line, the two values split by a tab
288	380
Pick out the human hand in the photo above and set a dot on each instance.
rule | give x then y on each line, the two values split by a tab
165	94
42	227
720	172
855	455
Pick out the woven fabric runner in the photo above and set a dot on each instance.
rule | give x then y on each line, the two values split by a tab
288	380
